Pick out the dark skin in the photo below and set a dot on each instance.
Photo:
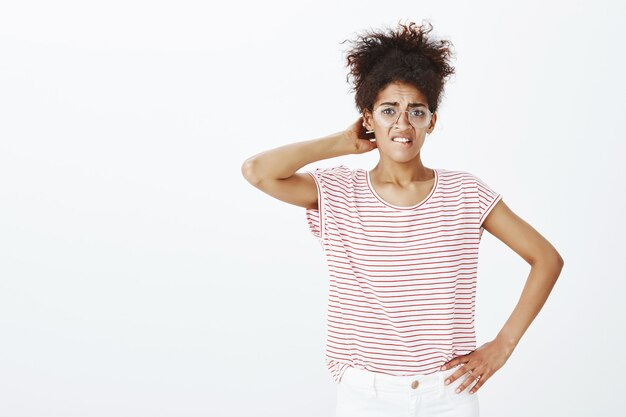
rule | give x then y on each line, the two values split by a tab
546	264
400	177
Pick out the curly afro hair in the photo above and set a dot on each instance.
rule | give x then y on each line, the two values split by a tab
407	55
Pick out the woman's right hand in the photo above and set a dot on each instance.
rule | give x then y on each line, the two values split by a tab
357	139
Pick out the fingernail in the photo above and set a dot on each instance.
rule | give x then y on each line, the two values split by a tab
447	381
458	390
443	368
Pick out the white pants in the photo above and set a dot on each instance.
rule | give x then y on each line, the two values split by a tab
362	393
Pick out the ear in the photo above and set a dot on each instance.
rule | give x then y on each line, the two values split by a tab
433	121
367	119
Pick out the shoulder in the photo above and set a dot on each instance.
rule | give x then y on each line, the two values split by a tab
334	177
454	175
461	174
463	181
340	172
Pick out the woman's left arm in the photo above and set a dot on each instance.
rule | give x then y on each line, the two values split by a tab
546	264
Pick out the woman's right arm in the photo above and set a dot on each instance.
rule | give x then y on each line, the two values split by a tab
274	171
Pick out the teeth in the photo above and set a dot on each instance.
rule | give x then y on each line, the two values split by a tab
401	140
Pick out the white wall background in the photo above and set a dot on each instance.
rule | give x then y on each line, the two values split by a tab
140	273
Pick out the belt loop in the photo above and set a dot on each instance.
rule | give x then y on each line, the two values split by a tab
374	385
440	383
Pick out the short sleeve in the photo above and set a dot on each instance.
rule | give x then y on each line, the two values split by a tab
487	199
316	218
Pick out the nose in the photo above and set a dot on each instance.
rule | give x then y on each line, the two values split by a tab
403	121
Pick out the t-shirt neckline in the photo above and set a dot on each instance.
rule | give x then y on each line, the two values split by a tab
379	198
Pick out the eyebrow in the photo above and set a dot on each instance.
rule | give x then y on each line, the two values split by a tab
395	103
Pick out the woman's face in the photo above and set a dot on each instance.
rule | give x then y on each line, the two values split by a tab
405	97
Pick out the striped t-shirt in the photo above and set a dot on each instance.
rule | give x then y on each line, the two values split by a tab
402	279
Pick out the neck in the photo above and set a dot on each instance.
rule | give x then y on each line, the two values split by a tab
402	173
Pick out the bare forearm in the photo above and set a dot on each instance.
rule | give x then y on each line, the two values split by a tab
284	161
541	279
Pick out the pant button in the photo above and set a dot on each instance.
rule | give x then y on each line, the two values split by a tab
415	384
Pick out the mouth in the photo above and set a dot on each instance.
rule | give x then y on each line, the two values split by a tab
402	141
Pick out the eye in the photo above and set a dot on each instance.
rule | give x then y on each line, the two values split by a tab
418	113
388	110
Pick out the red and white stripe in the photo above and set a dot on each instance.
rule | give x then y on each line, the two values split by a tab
402	279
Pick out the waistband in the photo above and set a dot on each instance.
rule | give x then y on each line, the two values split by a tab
364	378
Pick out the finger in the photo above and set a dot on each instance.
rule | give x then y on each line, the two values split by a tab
479	384
459	373
471	378
452	363
482	376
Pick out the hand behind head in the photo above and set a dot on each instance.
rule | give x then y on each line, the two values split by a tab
360	139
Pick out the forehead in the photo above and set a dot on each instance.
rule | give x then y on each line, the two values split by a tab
400	92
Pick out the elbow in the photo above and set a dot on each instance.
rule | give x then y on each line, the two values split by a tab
557	263
551	258
247	170
560	261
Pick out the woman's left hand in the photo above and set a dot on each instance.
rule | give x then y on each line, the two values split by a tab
481	364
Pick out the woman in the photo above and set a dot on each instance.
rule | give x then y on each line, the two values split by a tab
401	241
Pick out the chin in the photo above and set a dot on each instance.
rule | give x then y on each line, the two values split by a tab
401	158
